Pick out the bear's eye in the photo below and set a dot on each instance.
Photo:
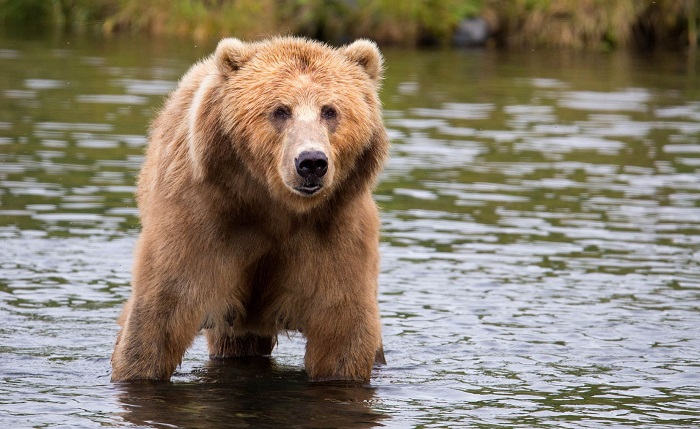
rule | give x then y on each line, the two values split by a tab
282	112
328	112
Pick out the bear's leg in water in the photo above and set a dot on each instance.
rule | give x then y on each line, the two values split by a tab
156	331
162	317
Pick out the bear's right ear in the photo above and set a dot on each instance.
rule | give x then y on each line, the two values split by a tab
231	54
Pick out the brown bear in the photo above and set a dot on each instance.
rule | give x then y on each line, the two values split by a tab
257	212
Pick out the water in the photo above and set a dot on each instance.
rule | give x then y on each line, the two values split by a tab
541	250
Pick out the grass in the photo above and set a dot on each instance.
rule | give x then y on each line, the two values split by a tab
595	23
578	24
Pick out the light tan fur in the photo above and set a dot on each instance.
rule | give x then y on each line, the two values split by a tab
230	243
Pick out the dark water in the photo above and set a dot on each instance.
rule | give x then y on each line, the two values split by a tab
541	253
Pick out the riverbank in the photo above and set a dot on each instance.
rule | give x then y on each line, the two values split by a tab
582	24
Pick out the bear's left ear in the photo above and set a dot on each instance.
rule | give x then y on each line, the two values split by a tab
231	54
365	53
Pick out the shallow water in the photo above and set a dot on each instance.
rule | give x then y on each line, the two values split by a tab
541	251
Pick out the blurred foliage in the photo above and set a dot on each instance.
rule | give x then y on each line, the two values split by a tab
581	24
200	18
593	23
38	15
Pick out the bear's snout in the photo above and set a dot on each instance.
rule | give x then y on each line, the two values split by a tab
311	167
312	163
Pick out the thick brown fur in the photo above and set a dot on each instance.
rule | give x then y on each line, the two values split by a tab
231	241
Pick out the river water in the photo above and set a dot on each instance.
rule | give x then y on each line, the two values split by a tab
540	253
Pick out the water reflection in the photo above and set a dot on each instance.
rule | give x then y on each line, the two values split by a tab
255	392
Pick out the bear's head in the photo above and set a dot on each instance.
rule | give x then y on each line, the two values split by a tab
303	119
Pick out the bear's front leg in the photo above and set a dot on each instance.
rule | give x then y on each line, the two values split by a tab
163	314
343	342
333	275
157	328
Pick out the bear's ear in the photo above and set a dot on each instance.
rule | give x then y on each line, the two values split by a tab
231	54
365	53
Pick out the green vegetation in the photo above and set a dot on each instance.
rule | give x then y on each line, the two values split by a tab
581	24
595	23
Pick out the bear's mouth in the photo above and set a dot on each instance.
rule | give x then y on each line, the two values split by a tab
309	189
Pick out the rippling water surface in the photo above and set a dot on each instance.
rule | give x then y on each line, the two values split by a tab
541	251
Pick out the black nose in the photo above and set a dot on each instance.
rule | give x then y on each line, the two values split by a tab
312	163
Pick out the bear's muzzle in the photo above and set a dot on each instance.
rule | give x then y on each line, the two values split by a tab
311	166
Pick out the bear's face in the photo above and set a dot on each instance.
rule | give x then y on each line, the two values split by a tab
305	121
300	114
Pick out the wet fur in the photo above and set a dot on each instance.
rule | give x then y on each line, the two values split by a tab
228	246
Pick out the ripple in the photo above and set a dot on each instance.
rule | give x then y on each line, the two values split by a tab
64	126
111	99
19	94
565	144
40	84
147	87
689	111
457	111
628	100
